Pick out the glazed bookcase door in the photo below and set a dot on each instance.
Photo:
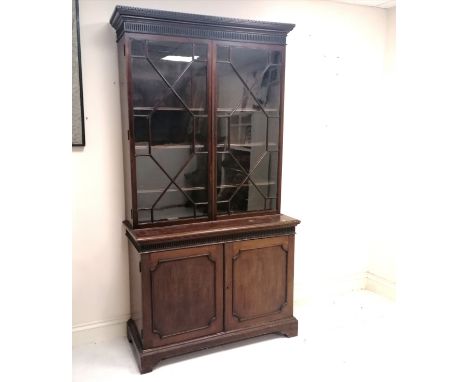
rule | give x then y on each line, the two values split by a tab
170	128
259	278
248	119
184	287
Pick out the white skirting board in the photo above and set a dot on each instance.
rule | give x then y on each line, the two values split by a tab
380	285
326	288
98	331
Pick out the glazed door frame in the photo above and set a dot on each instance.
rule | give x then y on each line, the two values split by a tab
215	101
131	128
212	136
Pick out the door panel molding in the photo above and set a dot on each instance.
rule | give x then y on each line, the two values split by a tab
185	293
258	281
153	270
283	304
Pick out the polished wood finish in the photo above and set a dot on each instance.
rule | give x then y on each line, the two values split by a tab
126	147
148	359
210	229
185	288
136	299
138	20
127	97
122	14
199	282
280	139
212	127
259	276
197	297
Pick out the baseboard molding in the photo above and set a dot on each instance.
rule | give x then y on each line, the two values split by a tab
327	287
334	286
380	285
98	331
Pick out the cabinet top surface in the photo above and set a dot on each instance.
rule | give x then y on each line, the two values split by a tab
152	21
211	228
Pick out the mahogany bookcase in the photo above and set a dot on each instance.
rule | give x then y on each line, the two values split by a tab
211	255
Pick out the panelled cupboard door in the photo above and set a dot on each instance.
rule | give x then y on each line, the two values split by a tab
259	281
185	294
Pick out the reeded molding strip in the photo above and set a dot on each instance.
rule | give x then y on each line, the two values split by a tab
171	30
211	240
150	21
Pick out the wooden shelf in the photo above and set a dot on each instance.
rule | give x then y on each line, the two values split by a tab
228	111
245	185
169	146
159	190
168	108
244	110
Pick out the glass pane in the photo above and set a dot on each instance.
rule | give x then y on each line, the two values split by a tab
144	216
169	75
141	134
222	53
242	130
230	89
170	129
230	175
138	47
247	199
170	58
247	125
191	88
172	159
265	175
149	175
146	198
275	57
273	134
140	127
195	178
200	52
222	208
271	204
248	129
201	134
250	63
222	134
267	91
242	157
172	205
148	87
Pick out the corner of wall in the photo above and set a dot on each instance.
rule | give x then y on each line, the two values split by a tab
380	285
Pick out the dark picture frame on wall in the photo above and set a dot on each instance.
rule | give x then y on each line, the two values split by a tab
78	125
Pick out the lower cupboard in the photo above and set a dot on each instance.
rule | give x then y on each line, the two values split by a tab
191	298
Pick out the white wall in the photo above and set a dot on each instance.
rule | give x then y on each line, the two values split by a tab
100	269
333	96
335	156
383	248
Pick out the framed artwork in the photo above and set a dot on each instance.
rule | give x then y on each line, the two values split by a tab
78	127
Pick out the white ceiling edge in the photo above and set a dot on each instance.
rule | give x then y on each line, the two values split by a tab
370	3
